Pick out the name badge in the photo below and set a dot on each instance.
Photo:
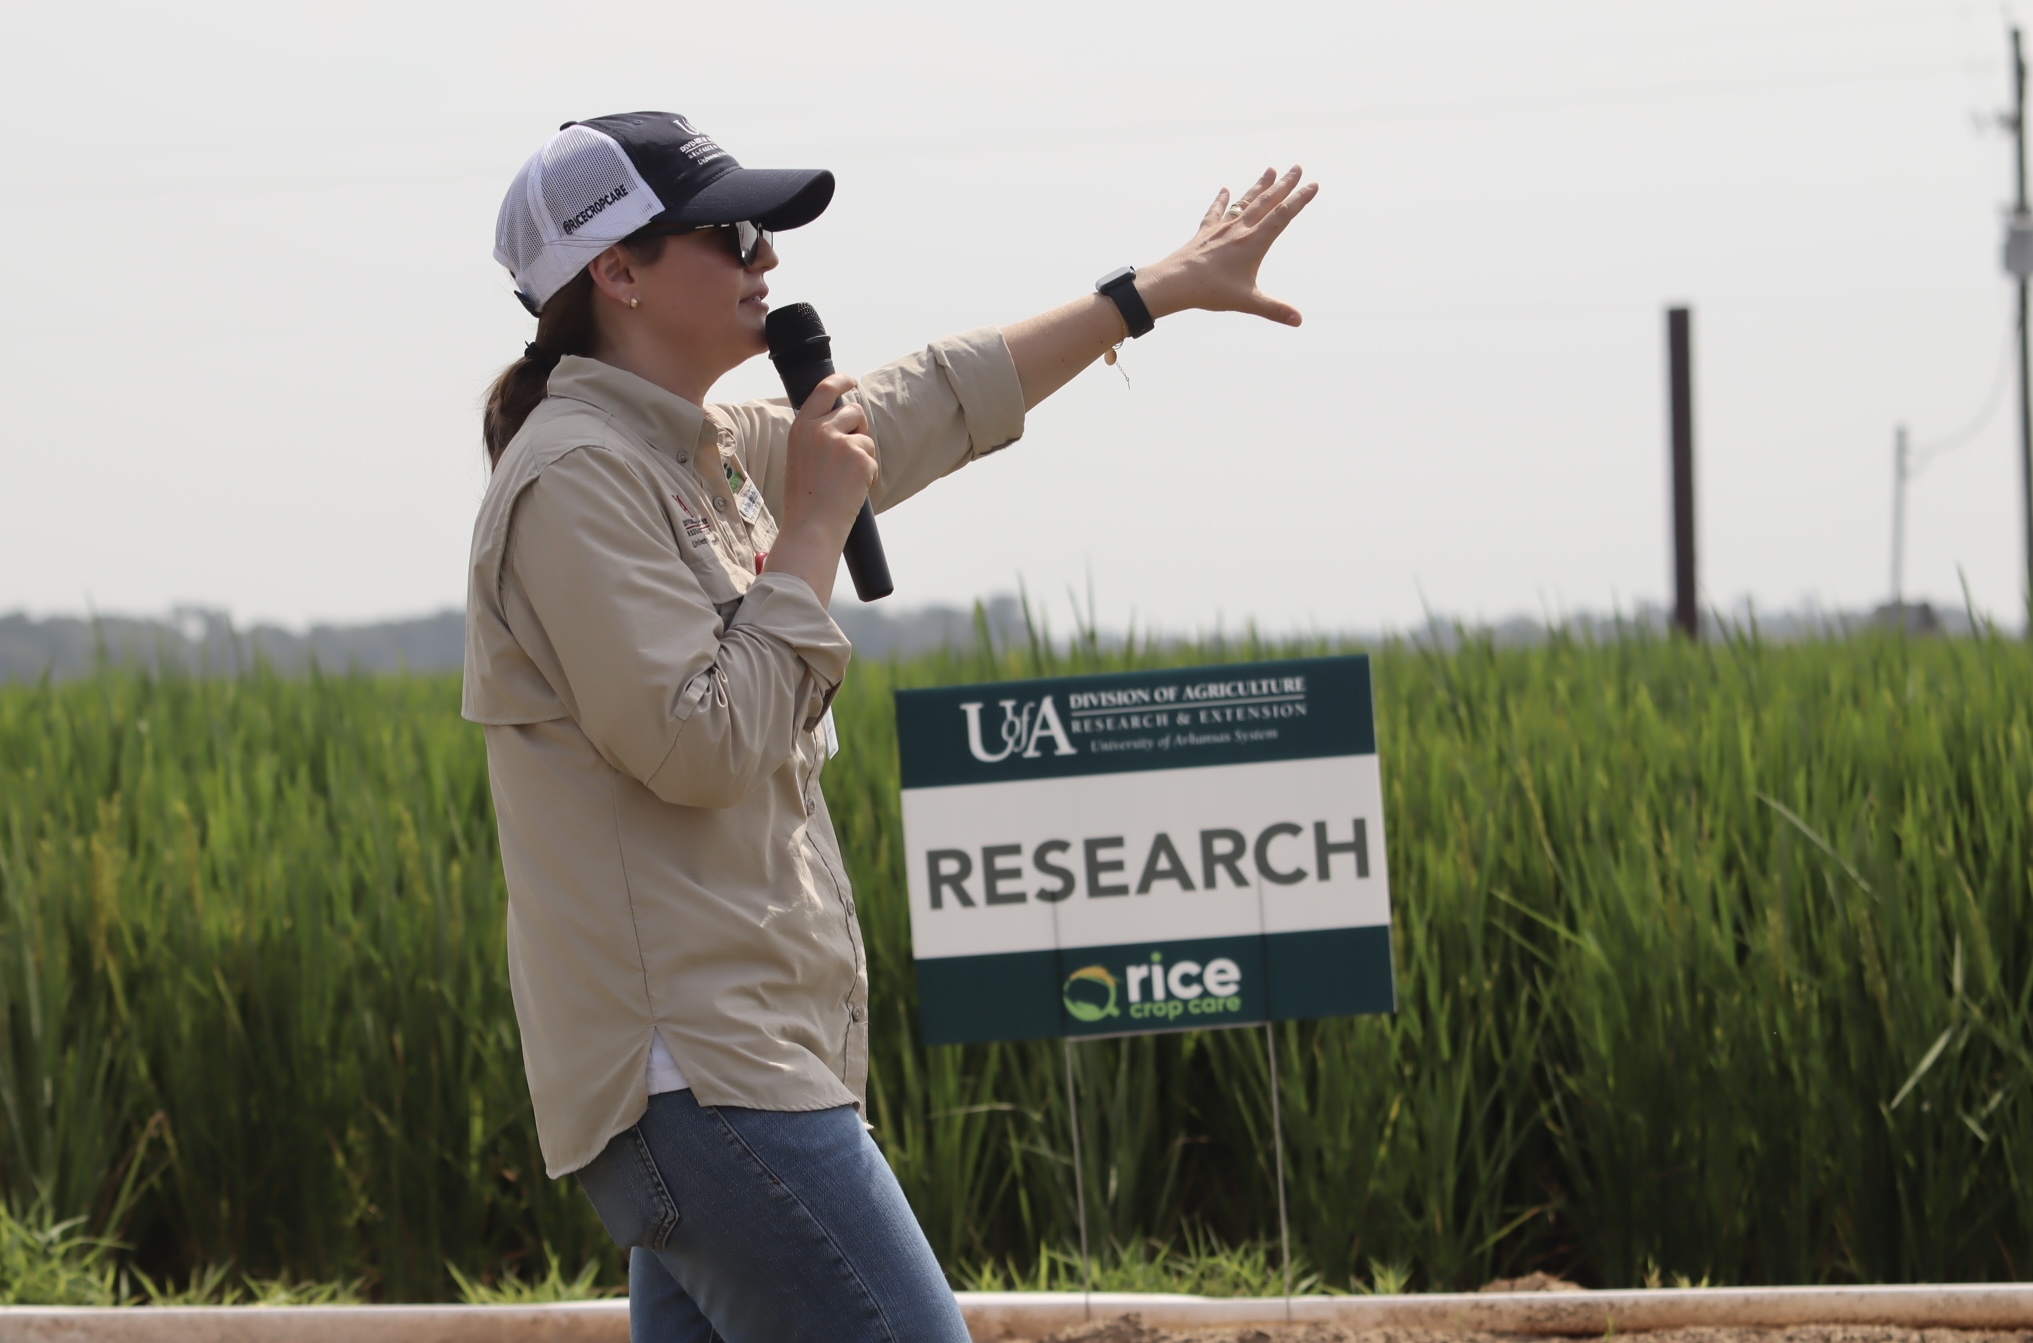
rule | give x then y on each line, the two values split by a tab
749	501
832	736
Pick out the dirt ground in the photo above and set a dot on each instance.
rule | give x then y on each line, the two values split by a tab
1131	1329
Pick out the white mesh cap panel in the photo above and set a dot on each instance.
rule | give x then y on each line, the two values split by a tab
577	196
517	238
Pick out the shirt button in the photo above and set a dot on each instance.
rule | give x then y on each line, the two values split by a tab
719	503
684	458
857	1013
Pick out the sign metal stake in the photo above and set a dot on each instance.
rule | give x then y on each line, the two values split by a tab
1278	1148
1080	1181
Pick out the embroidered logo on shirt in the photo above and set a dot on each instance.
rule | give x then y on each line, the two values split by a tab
697	530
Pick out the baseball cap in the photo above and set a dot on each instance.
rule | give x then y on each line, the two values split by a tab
595	182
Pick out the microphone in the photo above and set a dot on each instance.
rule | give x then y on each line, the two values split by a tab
803	355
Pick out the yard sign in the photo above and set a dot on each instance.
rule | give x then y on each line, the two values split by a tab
1147	851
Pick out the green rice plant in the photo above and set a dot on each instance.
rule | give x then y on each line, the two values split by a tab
1714	962
1199	1265
510	1288
219	1285
253	929
1625	1039
44	1262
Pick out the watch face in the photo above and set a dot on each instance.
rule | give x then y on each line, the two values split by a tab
1115	277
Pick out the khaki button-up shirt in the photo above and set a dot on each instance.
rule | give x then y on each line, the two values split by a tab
653	705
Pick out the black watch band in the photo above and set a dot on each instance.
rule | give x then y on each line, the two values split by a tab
1121	288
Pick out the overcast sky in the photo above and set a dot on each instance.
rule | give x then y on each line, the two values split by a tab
251	307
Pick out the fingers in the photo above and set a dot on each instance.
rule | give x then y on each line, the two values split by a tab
1225	211
826	420
849	417
1272	309
1255	191
1261	196
1275	221
1215	211
820	402
1270	193
847	426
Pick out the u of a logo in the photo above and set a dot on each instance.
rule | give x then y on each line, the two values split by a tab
1021	730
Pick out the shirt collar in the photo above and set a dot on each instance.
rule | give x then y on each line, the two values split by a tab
669	423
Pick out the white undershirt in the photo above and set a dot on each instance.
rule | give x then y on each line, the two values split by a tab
663	1069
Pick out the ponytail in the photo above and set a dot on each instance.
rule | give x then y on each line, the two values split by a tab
565	327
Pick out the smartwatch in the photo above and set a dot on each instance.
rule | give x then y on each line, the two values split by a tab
1121	288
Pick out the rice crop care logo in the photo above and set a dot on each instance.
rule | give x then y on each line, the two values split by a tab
1184	988
1157	990
1022	731
1089	994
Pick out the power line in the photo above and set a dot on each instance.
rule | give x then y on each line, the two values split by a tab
2002	379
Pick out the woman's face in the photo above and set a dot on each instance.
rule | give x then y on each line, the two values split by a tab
701	304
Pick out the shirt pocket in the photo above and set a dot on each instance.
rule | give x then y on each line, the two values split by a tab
724	576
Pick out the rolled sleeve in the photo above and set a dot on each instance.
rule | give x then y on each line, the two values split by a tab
984	380
953	402
786	609
697	711
930	413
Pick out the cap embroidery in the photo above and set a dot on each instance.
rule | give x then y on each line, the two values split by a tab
701	149
579	220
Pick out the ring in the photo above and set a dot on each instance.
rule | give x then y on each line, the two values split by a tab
1235	210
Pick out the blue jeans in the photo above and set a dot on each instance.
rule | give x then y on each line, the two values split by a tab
760	1226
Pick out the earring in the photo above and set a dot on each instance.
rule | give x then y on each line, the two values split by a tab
634	302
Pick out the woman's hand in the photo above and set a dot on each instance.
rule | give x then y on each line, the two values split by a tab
1217	269
828	468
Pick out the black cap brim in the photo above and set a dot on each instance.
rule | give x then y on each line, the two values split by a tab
773	198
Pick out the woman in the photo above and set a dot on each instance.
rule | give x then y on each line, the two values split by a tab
649	649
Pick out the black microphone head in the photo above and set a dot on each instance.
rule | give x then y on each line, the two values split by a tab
791	329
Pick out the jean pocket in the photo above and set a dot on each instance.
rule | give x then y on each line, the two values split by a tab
629	1193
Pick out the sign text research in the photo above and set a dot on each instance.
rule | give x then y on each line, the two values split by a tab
1146	851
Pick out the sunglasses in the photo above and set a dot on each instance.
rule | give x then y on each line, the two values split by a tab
744	239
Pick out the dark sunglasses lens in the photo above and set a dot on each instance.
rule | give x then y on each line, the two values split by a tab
749	240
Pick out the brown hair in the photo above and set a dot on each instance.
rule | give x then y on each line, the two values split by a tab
567	326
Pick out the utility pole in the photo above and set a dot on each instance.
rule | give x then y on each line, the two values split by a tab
1899	469
2021	222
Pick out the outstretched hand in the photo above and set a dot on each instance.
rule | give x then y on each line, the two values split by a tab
1217	268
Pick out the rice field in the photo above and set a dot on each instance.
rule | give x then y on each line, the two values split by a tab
1716	963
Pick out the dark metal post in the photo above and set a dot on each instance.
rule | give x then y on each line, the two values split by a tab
2025	388
1680	376
1278	1155
1079	1180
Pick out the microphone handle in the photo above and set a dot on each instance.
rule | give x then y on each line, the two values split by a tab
867	565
